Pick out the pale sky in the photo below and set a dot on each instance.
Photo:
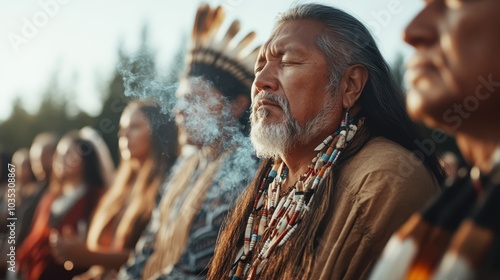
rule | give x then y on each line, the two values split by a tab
80	38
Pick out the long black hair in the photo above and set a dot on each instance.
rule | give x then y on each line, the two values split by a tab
164	141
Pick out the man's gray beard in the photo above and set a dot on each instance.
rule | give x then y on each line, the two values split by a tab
276	139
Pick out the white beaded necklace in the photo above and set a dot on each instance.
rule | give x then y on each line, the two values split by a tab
282	214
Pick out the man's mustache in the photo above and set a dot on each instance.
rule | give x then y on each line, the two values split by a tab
264	97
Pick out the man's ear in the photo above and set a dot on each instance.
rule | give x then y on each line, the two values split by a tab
239	105
352	84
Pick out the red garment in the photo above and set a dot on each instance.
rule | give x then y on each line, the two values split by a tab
35	256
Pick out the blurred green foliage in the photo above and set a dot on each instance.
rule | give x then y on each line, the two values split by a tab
58	114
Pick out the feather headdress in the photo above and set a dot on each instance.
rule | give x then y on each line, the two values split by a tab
224	62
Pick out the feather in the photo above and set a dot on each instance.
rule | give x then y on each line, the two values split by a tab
242	45
199	23
226	54
233	29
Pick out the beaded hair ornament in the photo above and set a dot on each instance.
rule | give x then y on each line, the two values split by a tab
281	215
223	61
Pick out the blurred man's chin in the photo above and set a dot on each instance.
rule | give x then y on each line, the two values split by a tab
433	113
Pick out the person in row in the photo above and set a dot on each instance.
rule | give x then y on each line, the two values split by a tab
217	160
341	170
77	183
454	79
148	148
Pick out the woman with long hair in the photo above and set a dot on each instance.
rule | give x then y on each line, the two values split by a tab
148	148
26	181
76	185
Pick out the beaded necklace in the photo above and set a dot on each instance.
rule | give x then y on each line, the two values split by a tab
281	213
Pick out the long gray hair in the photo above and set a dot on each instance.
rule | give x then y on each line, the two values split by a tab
346	42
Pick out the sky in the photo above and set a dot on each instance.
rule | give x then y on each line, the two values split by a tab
79	39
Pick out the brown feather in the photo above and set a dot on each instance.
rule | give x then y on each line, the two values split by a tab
208	22
199	21
216	22
242	44
230	33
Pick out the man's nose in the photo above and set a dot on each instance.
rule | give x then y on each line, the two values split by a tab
422	30
266	79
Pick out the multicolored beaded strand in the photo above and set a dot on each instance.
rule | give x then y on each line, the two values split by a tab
284	213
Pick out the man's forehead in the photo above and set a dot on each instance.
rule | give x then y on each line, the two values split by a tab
279	41
196	87
285	45
292	36
191	86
